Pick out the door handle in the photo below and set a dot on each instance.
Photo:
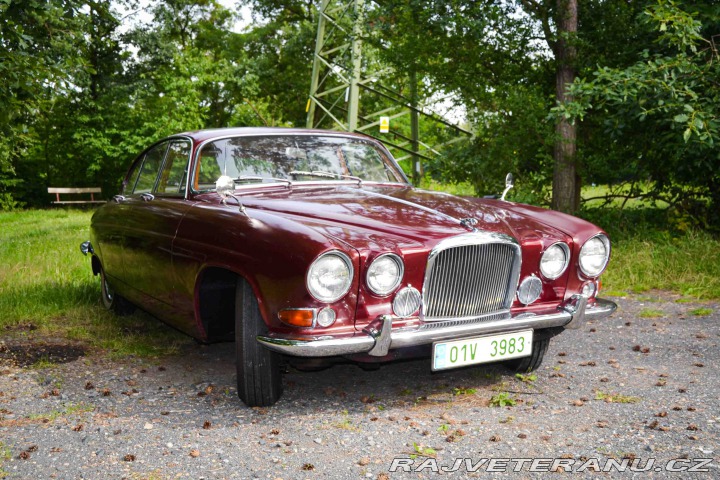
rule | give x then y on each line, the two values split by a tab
147	197
119	198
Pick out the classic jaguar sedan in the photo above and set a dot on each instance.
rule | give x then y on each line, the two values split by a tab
313	245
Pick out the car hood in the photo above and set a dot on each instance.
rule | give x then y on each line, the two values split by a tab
370	217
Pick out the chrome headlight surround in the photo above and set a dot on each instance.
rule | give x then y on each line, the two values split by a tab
597	247
335	268
378	263
548	256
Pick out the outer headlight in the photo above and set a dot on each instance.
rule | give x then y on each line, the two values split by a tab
555	260
385	274
594	255
329	277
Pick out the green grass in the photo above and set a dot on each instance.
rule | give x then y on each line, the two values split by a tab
68	409
45	281
463	189
688	264
502	399
615	397
5	455
651	313
701	312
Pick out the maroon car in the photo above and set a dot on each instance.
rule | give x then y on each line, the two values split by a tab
300	243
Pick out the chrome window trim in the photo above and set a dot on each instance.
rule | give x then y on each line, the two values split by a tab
467	239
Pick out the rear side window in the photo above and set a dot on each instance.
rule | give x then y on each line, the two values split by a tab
174	172
150	168
132	178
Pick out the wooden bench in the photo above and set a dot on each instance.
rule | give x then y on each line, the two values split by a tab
91	190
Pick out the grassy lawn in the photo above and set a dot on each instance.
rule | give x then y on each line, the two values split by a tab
46	284
47	287
688	265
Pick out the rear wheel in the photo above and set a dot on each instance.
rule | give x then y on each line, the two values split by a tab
111	300
258	369
533	362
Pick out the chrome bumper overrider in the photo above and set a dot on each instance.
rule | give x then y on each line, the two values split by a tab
379	337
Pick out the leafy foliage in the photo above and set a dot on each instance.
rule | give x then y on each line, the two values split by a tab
87	85
660	113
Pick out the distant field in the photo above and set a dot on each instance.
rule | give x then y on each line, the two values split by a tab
46	283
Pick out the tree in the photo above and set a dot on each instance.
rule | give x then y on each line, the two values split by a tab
666	104
37	54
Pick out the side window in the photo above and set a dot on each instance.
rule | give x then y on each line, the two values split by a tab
150	168
132	177
173	175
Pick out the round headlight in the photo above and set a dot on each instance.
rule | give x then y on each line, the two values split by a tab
329	277
554	261
594	255
384	274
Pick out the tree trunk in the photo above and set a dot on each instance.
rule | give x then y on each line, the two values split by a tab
565	180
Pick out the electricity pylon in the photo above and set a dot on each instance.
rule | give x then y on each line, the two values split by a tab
350	90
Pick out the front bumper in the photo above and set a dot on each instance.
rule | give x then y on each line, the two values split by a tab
378	338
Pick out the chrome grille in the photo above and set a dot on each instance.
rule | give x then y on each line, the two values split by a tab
471	276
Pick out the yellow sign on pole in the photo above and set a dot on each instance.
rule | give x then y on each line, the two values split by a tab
384	124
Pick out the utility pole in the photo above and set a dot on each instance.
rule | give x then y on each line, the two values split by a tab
348	83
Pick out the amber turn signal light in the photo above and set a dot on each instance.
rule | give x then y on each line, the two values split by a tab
297	317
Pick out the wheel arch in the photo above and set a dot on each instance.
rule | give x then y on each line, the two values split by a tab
215	301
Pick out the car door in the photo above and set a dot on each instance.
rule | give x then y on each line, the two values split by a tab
109	226
157	206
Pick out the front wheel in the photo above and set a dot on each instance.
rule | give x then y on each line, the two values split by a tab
533	362
111	300
259	382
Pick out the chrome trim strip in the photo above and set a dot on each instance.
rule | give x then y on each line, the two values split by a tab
373	340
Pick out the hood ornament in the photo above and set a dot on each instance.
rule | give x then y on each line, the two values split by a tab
469	223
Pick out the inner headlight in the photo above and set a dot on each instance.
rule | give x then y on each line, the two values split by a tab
385	274
555	260
594	255
329	277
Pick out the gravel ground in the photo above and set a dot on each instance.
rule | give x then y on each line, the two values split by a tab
627	387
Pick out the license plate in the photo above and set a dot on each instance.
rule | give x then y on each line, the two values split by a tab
491	348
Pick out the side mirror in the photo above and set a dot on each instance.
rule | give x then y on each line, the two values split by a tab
509	183
225	187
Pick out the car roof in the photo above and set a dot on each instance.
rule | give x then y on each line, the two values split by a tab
208	134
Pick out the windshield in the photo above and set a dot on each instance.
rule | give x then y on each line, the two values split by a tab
295	158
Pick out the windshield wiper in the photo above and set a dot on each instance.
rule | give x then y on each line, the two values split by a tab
252	178
318	173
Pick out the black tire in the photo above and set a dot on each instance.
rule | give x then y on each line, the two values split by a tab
259	382
111	300
533	362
